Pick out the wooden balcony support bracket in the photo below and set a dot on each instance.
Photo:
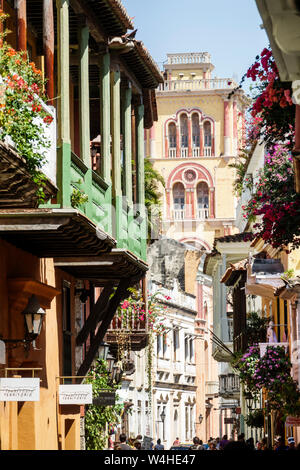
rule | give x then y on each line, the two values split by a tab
98	313
120	294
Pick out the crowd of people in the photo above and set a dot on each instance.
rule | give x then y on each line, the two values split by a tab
216	444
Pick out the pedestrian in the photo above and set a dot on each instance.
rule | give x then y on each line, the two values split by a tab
281	445
197	444
138	445
291	443
159	445
212	445
223	442
218	443
123	445
250	443
176	442
258	445
110	445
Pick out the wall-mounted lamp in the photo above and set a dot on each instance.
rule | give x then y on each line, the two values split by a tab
84	294
200	418
33	318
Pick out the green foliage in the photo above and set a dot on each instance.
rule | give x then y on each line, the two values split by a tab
255	419
256	329
97	418
240	165
152	196
78	197
22	115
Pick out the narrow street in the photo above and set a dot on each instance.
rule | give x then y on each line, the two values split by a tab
150	228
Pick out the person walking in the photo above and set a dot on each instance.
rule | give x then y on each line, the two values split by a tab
224	441
159	445
123	445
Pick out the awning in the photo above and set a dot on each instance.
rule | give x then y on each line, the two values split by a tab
54	233
105	269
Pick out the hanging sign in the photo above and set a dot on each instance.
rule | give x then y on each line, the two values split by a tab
2	353
19	389
105	399
81	394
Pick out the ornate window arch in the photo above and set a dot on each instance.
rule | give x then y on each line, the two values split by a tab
194	137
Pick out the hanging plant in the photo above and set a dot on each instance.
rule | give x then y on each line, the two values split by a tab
23	116
100	419
275	205
255	419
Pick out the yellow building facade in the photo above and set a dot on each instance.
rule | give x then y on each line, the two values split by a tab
199	130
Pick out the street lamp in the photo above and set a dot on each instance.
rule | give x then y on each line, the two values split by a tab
249	399
200	418
34	316
33	320
163	416
103	351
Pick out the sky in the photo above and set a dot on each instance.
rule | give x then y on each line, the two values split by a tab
228	29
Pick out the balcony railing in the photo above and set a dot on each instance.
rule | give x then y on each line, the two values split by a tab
178	214
172	152
135	328
184	152
189	58
207	151
197	85
196	151
229	385
202	214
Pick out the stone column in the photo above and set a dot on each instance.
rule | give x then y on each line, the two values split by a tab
201	140
189	137
234	128
64	139
226	128
211	203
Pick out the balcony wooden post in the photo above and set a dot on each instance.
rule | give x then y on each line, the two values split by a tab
22	25
127	142
84	107
64	140
140	154
105	115
48	47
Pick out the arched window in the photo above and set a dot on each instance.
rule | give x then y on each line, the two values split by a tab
207	138
184	135
178	201
202	200
196	135
172	139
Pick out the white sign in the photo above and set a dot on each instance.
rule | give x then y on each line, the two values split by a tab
14	389
2	353
76	394
263	347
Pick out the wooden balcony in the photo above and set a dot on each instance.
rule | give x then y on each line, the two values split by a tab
136	329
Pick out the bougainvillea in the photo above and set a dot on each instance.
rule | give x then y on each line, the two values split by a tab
271	372
275	205
23	116
272	111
